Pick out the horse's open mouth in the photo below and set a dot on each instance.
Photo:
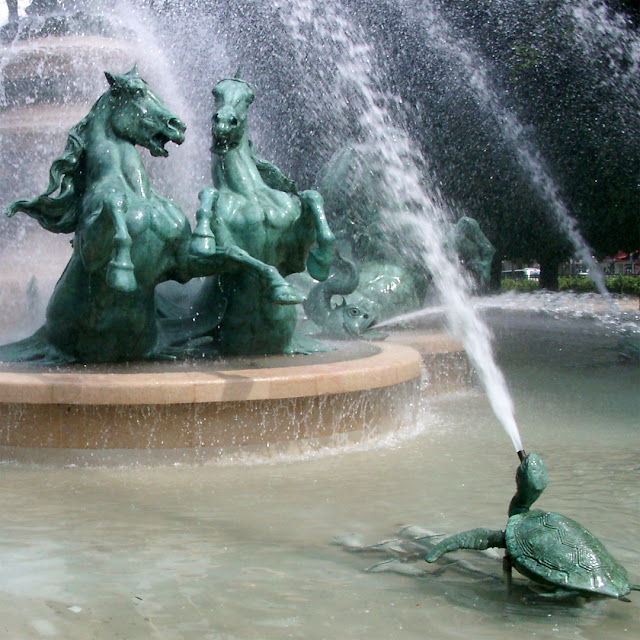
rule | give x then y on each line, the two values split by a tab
159	139
157	145
223	144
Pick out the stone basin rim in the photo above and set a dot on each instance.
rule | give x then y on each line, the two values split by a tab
391	364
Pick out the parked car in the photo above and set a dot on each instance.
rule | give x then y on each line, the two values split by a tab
530	273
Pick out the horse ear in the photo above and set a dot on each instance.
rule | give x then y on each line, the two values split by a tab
238	75
133	72
116	81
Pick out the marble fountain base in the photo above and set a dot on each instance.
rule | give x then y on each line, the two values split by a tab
201	410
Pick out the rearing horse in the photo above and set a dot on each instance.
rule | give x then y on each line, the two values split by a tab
260	210
127	238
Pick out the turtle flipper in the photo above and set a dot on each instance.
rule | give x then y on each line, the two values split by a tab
558	594
401	567
478	539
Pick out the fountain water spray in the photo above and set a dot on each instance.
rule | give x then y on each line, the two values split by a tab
476	74
609	39
414	211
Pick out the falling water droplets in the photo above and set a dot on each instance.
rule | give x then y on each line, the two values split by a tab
414	208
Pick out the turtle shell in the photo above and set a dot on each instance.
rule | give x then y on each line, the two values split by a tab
552	549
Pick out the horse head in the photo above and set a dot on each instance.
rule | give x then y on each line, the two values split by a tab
139	115
228	124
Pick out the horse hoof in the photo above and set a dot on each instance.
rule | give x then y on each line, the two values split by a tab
121	279
284	294
202	246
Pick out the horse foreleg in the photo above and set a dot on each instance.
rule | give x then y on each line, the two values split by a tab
120	270
203	241
211	235
320	257
279	291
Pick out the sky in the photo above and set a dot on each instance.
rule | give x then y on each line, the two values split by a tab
4	11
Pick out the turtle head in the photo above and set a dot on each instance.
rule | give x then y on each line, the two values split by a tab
531	481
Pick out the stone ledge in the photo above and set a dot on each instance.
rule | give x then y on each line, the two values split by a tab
390	364
203	410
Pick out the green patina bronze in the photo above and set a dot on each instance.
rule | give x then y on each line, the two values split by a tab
382	291
353	187
354	298
127	240
257	208
342	320
391	281
546	547
472	248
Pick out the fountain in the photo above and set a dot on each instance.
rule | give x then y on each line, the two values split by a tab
237	546
102	311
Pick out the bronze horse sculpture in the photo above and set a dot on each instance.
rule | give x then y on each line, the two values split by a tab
127	238
260	210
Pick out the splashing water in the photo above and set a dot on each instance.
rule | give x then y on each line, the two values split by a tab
608	39
181	174
413	210
476	74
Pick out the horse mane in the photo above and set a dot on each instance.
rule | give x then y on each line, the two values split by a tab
272	176
60	213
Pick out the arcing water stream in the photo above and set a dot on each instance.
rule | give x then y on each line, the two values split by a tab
411	207
326	34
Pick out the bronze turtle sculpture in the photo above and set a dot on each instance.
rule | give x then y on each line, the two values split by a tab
548	548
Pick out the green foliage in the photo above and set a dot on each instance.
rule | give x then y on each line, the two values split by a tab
577	284
521	286
624	284
627	285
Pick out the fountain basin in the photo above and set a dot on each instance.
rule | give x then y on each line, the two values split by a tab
204	409
446	367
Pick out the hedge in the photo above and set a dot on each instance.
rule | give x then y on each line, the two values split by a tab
629	285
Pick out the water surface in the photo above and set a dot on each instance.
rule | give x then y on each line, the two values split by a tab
242	549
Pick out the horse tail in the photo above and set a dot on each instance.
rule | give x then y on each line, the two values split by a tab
343	281
59	213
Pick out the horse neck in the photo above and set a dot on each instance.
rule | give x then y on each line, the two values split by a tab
237	171
109	157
